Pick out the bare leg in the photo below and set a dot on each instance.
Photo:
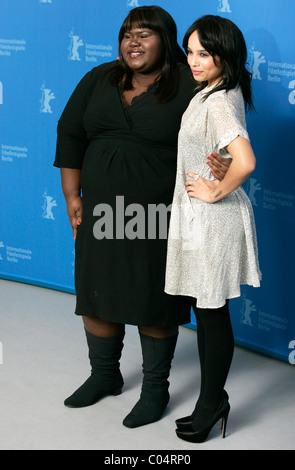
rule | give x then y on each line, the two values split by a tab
101	328
158	332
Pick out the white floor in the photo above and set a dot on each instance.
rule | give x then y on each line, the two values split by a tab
43	358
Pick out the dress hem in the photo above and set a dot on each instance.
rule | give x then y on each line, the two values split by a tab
167	324
213	306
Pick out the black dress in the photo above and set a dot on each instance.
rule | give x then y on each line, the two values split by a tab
128	161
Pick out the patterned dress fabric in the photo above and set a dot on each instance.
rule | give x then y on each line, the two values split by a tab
212	248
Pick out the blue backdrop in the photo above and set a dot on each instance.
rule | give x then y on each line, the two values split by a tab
46	46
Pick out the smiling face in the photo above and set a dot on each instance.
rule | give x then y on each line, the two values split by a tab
202	64
142	50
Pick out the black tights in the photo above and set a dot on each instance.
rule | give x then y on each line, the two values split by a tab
216	346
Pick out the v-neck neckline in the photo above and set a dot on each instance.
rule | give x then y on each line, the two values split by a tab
125	105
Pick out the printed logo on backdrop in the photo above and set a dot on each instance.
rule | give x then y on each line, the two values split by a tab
247	311
251	316
11	153
14	254
8	47
266	198
79	49
76	42
48	204
132	4
223	6
276	71
1	93
256	60
46	97
253	187
1	246
45	1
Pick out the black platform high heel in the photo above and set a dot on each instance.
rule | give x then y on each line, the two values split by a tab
184	423
200	436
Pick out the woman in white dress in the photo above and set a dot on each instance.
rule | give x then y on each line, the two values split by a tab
212	247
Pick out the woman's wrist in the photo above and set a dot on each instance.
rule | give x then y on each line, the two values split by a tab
216	195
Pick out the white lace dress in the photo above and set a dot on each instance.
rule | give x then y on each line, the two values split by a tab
212	248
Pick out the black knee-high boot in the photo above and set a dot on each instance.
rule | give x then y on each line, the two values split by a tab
105	378
157	358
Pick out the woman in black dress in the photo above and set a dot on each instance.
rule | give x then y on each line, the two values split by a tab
116	149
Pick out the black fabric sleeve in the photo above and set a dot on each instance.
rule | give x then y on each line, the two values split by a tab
71	135
72	139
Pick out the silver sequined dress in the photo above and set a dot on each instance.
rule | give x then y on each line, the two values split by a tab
212	248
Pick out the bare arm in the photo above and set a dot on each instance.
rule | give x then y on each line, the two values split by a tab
243	164
70	181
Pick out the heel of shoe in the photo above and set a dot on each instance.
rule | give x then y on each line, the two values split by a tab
183	424
117	392
224	422
200	436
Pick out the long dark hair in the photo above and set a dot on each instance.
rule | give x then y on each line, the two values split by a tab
221	37
159	20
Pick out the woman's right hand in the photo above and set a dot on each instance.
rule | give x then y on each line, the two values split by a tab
75	211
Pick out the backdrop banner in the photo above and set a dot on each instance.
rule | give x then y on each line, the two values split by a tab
46	47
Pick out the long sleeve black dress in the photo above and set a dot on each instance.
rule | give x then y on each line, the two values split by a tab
128	161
